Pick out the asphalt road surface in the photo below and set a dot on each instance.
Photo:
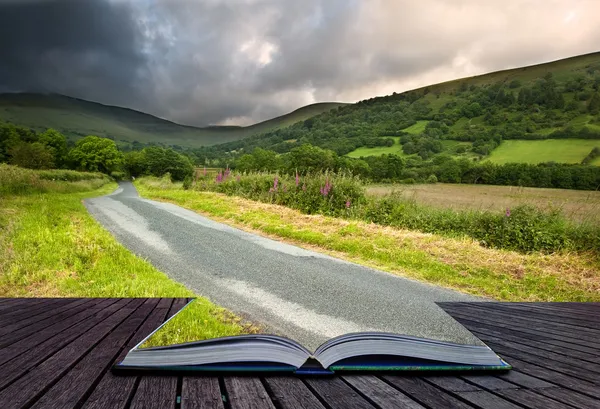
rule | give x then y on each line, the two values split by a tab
304	295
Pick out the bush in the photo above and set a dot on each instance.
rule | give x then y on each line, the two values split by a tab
432	179
324	192
15	180
118	176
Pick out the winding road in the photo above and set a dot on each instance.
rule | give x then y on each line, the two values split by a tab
294	292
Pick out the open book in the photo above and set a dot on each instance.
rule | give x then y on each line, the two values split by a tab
366	351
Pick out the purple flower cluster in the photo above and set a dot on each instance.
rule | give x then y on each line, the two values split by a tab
327	188
507	212
275	185
348	204
297	179
222	176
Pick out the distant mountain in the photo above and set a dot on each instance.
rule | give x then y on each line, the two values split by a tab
77	118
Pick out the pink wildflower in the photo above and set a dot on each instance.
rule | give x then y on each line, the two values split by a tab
348	204
275	183
297	179
507	212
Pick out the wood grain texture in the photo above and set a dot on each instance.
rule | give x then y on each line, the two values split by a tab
64	348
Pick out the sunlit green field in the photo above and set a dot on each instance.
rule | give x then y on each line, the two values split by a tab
395	149
417	128
548	150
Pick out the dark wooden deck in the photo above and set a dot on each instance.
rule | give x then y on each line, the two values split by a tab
56	353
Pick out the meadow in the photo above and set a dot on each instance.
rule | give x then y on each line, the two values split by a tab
51	247
548	150
395	149
576	205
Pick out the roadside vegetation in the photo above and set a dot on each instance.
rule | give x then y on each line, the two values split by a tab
521	228
457	261
51	247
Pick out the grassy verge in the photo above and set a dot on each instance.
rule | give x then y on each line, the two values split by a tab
455	263
51	247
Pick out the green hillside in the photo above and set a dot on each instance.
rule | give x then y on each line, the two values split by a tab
76	118
466	118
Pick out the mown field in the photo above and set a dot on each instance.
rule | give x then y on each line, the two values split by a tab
576	205
51	247
548	150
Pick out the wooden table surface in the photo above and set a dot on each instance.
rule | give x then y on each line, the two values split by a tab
57	353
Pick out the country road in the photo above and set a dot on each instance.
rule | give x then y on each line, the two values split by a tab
294	292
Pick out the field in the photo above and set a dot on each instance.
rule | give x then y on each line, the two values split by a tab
395	149
577	205
549	150
417	128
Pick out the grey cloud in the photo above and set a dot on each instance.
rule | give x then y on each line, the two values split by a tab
83	48
240	61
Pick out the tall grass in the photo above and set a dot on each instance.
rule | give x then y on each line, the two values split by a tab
18	181
523	228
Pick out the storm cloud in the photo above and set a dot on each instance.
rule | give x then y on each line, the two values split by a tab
240	61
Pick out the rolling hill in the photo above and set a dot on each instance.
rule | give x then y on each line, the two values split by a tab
465	118
77	118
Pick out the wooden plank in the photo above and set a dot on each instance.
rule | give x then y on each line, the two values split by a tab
451	383
568	397
201	393
425	393
535	314
156	392
20	364
33	340
28	388
511	324
515	334
74	385
114	392
571	370
16	304
524	380
381	393
337	394
50	313
587	361
46	321
290	393
246	393
568	310
557	378
482	314
531	399
10	317
494	383
486	400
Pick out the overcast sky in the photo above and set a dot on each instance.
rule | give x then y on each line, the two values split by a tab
205	62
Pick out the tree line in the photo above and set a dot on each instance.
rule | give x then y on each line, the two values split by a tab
50	149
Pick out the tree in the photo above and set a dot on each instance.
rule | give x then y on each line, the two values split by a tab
308	158
56	144
96	154
594	104
31	155
158	161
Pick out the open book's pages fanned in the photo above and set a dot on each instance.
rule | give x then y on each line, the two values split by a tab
365	351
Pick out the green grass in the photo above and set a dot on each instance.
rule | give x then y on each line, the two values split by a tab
377	151
77	118
51	247
450	262
549	150
417	128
